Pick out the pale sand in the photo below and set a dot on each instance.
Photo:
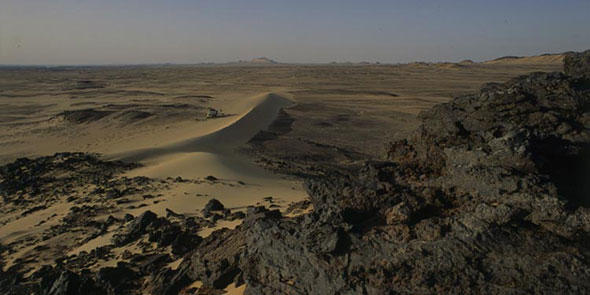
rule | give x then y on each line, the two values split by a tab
16	227
257	114
212	153
233	290
99	241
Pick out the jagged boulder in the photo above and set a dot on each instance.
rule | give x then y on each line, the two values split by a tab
170	282
135	228
120	279
534	126
59	281
211	206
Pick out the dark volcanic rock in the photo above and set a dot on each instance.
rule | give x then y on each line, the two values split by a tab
119	279
170	282
60	281
212	205
69	283
37	177
490	196
211	178
184	242
154	263
135	228
532	130
216	262
577	64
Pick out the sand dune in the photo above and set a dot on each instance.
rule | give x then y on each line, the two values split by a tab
262	111
210	151
240	182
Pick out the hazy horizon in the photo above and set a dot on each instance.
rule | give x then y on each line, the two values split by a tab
70	32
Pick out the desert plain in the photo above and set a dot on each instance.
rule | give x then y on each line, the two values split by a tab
113	142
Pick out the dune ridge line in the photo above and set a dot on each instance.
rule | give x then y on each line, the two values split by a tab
224	140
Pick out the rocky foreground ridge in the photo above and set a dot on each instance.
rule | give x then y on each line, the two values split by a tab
491	195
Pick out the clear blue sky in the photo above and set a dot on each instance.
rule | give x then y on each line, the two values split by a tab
182	31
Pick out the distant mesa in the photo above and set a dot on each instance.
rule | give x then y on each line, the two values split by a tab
262	60
257	61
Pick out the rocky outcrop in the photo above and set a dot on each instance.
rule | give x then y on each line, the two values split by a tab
36	177
69	283
212	205
577	64
531	132
489	196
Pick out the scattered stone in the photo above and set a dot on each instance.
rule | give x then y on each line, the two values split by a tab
212	205
211	178
154	263
135	229
170	213
236	215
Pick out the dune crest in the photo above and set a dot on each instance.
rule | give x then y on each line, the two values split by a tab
213	154
262	112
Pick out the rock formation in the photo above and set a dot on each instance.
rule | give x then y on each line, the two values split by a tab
489	196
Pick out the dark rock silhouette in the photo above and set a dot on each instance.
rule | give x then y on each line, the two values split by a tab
577	64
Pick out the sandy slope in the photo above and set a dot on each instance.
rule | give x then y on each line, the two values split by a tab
260	111
212	153
206	148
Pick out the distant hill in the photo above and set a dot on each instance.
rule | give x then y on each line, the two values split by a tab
256	61
262	60
547	58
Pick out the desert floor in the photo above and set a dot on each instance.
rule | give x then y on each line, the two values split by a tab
280	124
